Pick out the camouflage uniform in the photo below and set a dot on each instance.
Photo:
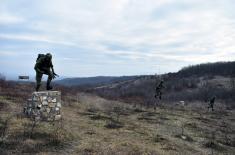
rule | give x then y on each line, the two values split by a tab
44	66
159	90
211	104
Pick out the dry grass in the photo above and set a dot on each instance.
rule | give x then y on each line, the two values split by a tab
92	125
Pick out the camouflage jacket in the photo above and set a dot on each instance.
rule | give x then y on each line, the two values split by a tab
160	86
43	64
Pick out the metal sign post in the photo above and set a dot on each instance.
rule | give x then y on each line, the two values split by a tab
23	77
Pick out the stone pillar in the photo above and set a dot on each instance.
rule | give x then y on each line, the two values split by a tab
44	106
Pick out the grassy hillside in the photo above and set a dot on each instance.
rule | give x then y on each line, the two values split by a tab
188	89
93	125
193	83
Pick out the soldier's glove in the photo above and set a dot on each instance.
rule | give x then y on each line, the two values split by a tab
55	75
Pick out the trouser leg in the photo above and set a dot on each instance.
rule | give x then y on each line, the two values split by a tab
49	79
160	95
38	80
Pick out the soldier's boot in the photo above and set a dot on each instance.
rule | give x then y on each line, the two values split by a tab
157	95
49	87
37	87
155	106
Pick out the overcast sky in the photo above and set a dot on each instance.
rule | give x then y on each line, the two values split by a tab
115	37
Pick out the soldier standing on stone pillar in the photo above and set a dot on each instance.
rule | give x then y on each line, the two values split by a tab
44	66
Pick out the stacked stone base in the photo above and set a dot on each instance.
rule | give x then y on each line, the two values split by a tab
44	106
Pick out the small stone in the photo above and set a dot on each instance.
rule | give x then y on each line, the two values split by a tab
43	108
48	110
44	103
51	104
35	98
41	98
49	99
44	98
57	117
45	114
57	109
39	106
58	104
35	105
183	137
49	119
29	111
53	100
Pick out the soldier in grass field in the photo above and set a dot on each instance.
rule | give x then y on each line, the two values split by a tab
211	103
44	66
158	92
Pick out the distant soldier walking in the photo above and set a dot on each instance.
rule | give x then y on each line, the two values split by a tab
44	66
211	103
158	93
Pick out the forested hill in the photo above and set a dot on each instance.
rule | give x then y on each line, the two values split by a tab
193	83
208	69
201	70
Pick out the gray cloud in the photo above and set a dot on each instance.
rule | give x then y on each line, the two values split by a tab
143	35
